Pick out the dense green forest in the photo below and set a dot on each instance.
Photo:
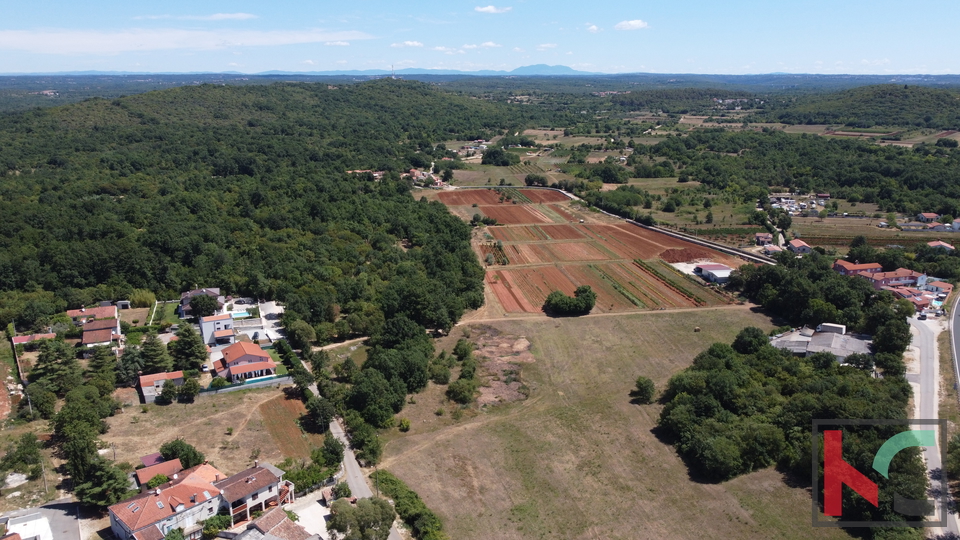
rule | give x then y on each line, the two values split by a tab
241	188
888	105
747	406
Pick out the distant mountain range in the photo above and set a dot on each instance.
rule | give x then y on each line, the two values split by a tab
525	71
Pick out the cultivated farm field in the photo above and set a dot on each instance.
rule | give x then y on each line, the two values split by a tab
543	242
577	459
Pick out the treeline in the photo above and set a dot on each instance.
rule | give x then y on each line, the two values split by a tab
889	105
241	188
746	407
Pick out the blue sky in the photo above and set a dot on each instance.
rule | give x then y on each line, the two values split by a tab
616	36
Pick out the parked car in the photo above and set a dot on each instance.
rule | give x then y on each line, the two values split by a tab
922	317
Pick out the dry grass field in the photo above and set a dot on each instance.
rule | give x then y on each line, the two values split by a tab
280	415
204	424
577	459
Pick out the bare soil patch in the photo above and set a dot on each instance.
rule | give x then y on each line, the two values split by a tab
280	415
139	314
503	356
461	197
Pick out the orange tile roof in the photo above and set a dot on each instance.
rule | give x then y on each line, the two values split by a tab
224	317
246	482
851	267
98	336
223	333
242	348
166	468
150	507
100	324
148	380
99	312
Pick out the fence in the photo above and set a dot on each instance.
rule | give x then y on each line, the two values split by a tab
262	382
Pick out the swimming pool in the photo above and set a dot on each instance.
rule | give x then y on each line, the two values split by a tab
239	314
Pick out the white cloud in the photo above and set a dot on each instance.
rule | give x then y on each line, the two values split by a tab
489	45
883	62
517	49
546	46
449	50
309	62
469	47
73	42
492	9
592	28
214	17
408	44
337	44
631	25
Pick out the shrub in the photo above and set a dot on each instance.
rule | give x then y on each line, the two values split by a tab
645	390
404	425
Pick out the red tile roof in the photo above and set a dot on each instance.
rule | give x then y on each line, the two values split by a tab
223	317
938	243
276	523
100	324
246	482
799	243
851	267
930	215
150	507
98	336
148	380
243	348
19	340
150	460
99	312
224	333
940	285
166	468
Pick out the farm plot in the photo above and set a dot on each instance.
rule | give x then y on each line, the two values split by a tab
508	294
514	214
544	195
555	252
562	212
536	233
464	197
638	281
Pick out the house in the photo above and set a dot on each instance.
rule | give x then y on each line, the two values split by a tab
166	468
82	315
33	338
805	342
901	277
955	225
150	460
770	249
799	247
940	287
152	385
940	245
275	524
763	239
927	217
101	332
244	360
254	490
218	329
823	196
845	268
938	227
715	273
213	292
196	494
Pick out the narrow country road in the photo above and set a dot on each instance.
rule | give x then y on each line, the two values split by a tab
352	472
928	396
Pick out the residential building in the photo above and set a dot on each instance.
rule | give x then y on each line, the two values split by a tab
166	468
939	287
901	277
955	225
715	273
799	247
845	268
23	340
940	245
763	239
244	360
274	524
82	315
213	292
196	494
152	385
101	332
805	342
927	217
218	329
770	249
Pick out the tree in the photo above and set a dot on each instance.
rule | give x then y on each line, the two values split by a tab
202	305
189	391
188	350
300	334
341	490
462	391
106	485
155	357
893	337
157	480
57	367
180	449
536	180
321	412
447	175
167	393
645	390
79	448
750	340
129	367
560	304
219	382
41	399
332	450
175	534
370	519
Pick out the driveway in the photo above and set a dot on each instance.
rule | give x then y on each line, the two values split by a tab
313	514
54	521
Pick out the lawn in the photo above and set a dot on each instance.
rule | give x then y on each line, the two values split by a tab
170	313
577	459
281	369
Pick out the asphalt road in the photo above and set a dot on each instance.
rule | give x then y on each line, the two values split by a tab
927	396
353	474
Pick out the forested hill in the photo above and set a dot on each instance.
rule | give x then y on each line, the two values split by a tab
241	188
868	106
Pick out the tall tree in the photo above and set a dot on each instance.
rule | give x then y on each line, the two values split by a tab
202	305
188	350
130	366
105	485
155	357
185	452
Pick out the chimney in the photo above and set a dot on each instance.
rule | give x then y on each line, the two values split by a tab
204	462
256	463
193	498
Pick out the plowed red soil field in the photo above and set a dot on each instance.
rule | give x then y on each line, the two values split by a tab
555	252
514	214
544	195
462	197
562	213
536	233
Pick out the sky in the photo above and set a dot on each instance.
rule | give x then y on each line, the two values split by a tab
613	36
